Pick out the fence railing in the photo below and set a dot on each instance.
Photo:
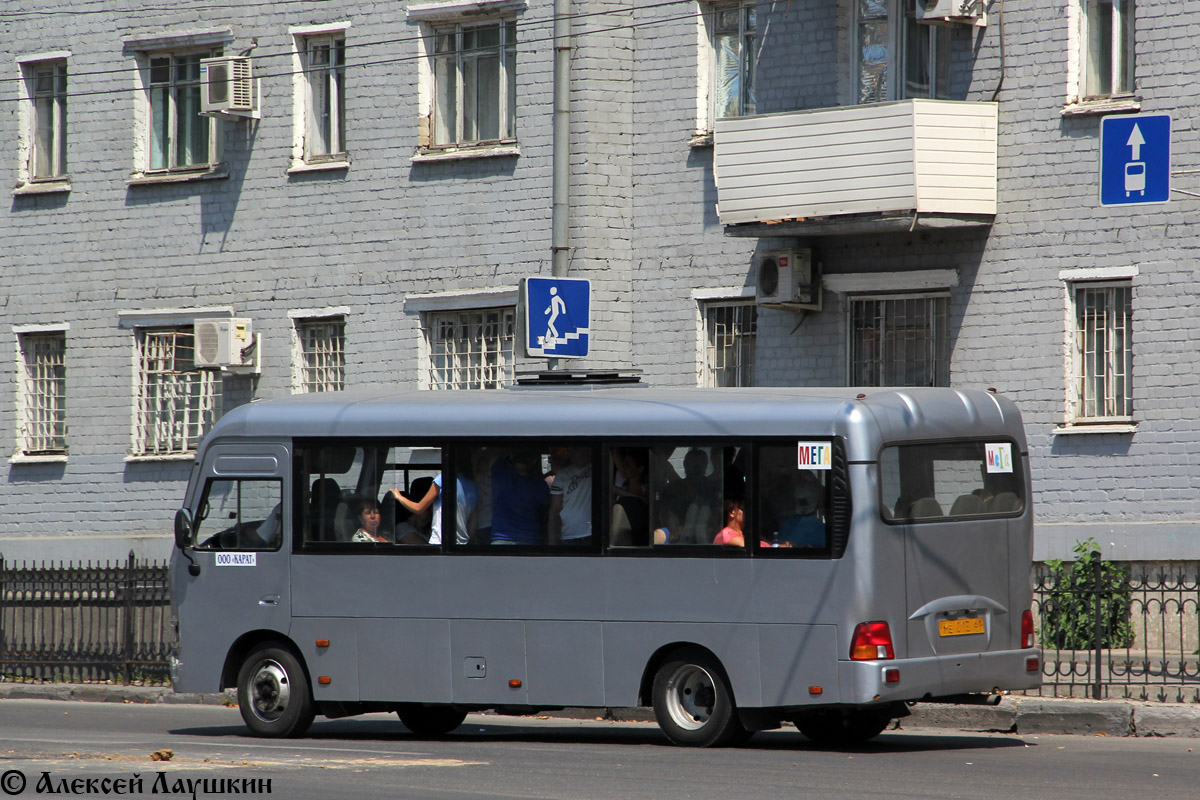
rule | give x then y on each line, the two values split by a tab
85	623
1106	631
1118	631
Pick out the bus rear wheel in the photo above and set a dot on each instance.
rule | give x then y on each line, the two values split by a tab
839	728
693	702
273	693
430	720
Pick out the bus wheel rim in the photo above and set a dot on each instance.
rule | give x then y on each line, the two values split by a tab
691	697
270	690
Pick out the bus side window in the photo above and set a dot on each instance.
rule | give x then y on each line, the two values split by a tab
686	490
630	515
793	501
241	514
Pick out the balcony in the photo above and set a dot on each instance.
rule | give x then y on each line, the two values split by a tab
906	165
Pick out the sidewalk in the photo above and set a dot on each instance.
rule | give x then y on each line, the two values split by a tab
1022	715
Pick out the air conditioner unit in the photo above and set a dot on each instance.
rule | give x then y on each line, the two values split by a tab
222	342
787	279
227	87
970	12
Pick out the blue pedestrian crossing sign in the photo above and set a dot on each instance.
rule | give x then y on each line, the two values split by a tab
1135	159
557	317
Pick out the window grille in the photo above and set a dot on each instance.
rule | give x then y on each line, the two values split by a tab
732	331
1103	352
899	341
176	402
44	423
471	349
322	355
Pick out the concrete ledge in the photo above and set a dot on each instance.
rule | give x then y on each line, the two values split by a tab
1150	719
1001	718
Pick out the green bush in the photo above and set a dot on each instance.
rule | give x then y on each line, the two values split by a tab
1069	611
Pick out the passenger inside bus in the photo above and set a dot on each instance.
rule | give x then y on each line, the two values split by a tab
466	498
630	512
732	534
684	507
804	527
366	511
520	499
570	520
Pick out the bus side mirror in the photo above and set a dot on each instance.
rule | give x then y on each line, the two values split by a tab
183	528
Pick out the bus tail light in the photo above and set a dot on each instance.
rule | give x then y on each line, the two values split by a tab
1026	629
872	640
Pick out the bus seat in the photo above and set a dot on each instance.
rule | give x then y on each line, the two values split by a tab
322	508
966	504
925	508
1003	503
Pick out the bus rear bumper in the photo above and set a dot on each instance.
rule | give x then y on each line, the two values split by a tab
939	676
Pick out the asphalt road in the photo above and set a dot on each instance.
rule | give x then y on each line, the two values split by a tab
500	757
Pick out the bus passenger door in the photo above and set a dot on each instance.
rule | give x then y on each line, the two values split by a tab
241	547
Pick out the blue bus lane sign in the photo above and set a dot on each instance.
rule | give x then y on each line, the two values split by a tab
1135	159
557	317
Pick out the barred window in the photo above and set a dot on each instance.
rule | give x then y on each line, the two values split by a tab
43	418
1103	371
899	341
176	403
731	333
470	349
322	356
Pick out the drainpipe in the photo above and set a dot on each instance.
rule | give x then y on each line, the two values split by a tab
559	240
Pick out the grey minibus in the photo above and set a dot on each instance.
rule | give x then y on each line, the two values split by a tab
733	558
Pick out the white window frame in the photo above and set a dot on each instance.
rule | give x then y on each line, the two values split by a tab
1082	415
937	338
901	22
33	125
744	342
1118	47
318	350
484	363
41	393
145	52
175	404
313	89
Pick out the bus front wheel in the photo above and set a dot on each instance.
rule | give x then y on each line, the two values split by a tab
273	693
430	720
693	702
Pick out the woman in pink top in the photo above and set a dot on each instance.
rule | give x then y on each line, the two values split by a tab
735	517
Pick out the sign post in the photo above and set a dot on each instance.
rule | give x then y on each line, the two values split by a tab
1135	159
557	315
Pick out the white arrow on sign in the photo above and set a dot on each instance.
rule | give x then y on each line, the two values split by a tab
1136	141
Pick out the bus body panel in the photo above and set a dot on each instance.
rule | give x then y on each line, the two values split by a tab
405	660
329	647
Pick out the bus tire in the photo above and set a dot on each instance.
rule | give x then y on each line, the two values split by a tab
840	728
273	693
693	702
430	720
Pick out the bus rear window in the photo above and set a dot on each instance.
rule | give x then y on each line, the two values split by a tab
950	480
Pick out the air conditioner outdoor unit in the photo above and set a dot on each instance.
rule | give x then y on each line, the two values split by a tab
787	279
227	87
222	342
970	12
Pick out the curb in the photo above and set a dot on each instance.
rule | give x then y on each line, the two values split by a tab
1020	715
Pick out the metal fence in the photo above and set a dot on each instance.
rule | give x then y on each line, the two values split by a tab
1119	631
85	623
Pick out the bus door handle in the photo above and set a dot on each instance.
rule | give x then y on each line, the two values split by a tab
269	600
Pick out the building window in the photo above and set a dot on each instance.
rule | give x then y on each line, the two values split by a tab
733	29
474	83
322	355
42	411
731	330
470	349
324	64
888	34
1106	51
179	137
176	403
1103	351
899	341
46	83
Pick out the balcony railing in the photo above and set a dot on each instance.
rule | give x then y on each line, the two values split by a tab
935	159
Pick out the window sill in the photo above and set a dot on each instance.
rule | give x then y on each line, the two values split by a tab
319	166
61	186
219	172
700	140
1068	429
58	458
1125	104
461	153
132	459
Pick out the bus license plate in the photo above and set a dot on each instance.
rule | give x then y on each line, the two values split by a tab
960	627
